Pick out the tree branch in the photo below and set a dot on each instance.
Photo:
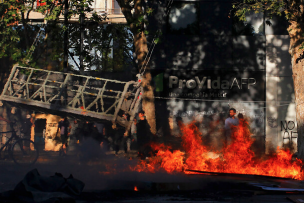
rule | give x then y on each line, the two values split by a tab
126	10
28	12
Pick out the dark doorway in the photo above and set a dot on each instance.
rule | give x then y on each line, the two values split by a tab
40	125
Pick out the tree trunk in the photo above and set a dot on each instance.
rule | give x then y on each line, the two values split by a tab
25	32
296	39
141	50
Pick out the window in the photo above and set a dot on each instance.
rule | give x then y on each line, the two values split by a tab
183	18
254	25
116	8
99	5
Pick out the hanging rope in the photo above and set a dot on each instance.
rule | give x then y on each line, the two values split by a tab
156	36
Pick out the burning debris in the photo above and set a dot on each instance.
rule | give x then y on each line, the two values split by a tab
237	157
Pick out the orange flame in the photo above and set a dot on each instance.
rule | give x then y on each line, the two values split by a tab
236	157
135	188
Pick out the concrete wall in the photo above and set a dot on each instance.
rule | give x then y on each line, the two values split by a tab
220	45
281	125
50	131
18	114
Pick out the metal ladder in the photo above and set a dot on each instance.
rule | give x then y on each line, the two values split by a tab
79	95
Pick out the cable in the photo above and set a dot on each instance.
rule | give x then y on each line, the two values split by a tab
153	41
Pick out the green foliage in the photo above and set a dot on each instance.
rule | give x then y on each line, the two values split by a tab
100	42
292	10
149	11
302	46
137	20
9	40
17	35
273	7
25	71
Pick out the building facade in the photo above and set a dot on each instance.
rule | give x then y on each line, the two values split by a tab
208	62
102	7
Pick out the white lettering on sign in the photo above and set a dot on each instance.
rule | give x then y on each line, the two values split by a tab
243	83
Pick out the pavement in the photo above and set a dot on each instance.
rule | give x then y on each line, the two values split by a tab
103	182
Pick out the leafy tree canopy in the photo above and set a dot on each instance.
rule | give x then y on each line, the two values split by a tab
293	10
37	45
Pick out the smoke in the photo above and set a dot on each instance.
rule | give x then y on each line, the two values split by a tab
106	173
91	149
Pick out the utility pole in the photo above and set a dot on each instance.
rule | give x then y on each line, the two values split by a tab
82	16
66	36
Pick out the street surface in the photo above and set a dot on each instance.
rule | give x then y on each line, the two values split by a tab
104	185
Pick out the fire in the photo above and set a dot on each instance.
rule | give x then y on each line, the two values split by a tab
237	157
135	188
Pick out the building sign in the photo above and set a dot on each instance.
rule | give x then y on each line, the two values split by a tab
217	85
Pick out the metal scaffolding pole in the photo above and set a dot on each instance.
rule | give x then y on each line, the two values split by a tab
66	36
81	43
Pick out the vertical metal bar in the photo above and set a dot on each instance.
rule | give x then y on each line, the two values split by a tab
82	98
66	37
62	86
133	113
35	94
81	43
41	88
26	84
44	91
9	79
101	99
83	102
136	95
95	100
113	105
10	88
16	73
121	100
73	102
18	90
